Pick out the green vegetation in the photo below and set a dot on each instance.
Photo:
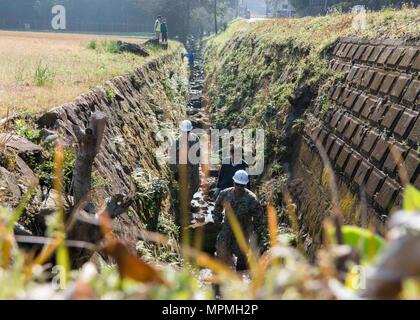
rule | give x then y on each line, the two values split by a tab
258	74
110	94
99	182
23	129
150	191
45	169
265	73
276	169
168	88
92	45
43	74
184	17
110	46
303	6
105	46
281	273
411	199
168	253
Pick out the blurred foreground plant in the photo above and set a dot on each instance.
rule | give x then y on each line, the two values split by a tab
354	262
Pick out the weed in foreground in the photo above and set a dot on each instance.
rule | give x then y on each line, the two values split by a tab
43	74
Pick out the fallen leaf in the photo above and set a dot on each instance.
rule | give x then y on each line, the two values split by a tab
129	265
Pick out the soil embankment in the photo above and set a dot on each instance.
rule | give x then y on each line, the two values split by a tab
305	81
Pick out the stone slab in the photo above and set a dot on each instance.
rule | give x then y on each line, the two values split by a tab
390	164
351	128
414	135
412	163
391	116
385	55
404	124
399	86
380	150
396	55
412	91
369	141
387	83
360	102
352	164
408	58
374	182
363	172
387	194
377	81
359	135
335	149
345	153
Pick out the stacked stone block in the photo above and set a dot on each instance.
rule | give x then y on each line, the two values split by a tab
375	110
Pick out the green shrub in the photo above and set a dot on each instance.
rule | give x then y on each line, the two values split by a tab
110	46
99	182
43	74
276	169
45	169
23	130
110	94
92	45
168	89
150	191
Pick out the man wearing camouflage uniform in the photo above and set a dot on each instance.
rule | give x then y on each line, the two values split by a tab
250	214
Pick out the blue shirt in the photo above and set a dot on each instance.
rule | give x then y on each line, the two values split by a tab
191	58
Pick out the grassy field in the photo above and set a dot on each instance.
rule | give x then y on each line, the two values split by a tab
41	70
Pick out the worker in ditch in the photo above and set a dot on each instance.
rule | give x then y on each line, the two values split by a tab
244	204
186	167
228	169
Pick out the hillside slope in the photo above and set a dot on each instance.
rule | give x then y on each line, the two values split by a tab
276	74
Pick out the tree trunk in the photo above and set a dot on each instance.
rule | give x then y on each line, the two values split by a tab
78	225
81	223
89	142
188	20
237	8
215	17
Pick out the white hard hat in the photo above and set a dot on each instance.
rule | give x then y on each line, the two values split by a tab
186	126
241	177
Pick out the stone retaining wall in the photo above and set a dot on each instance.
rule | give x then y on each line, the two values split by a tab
374	108
137	105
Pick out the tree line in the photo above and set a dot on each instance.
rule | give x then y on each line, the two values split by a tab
185	17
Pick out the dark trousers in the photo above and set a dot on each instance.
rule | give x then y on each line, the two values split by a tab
164	36
226	247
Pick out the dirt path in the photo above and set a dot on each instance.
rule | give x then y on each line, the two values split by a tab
202	205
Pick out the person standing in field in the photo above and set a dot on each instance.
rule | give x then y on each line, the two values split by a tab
164	31
157	29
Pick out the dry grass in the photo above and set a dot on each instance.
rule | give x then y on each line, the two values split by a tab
71	68
318	32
